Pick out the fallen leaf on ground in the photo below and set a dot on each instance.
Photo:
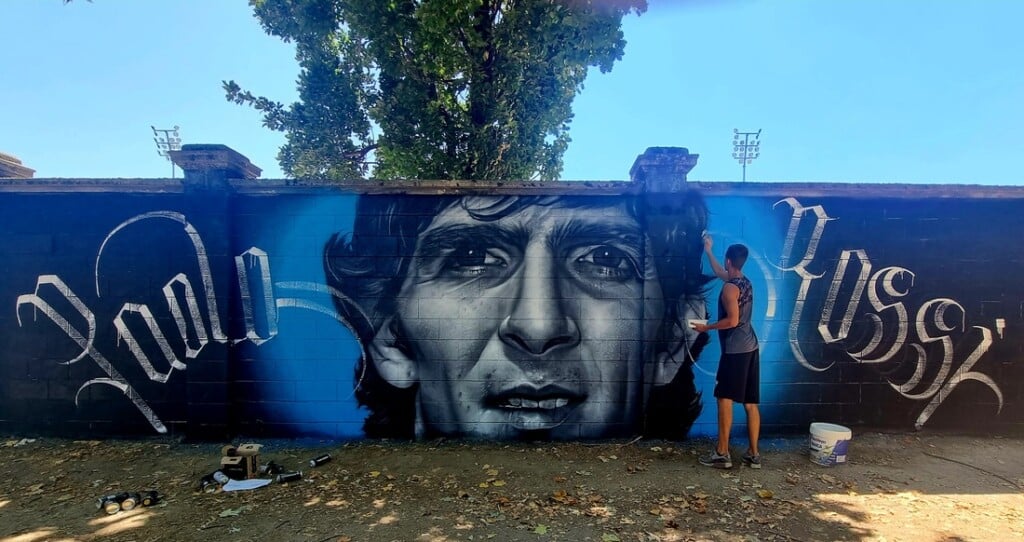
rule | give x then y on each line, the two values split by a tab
562	497
541	529
235	511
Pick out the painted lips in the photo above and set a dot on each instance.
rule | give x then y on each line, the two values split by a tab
546	404
530	408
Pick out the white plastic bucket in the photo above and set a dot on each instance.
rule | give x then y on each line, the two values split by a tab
829	443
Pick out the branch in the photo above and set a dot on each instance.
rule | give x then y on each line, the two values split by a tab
359	155
498	13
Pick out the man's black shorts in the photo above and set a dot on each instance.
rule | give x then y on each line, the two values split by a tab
739	377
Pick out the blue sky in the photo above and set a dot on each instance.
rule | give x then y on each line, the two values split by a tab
844	90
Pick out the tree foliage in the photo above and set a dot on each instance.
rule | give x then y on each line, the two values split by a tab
435	89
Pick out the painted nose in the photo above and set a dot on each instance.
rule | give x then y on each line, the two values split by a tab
539	323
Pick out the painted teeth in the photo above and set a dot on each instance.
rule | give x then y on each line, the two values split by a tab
544	404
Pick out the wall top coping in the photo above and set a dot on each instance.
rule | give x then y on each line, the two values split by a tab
67	185
709	188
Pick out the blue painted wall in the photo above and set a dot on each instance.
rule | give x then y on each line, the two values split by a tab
499	317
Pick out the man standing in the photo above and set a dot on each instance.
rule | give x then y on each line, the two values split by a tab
738	378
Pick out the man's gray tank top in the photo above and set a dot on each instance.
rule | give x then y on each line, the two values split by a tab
740	339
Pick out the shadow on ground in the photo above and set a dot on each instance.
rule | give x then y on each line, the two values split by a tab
917	486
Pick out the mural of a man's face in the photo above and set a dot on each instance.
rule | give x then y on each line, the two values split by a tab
530	324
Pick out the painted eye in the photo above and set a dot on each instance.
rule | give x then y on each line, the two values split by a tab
473	257
606	256
608	262
469	261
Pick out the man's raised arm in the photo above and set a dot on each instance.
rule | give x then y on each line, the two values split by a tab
720	271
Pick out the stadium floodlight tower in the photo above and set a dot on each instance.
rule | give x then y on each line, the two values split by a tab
746	146
167	140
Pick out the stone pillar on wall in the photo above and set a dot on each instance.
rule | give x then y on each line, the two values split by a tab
661	173
663	169
10	167
211	167
209	201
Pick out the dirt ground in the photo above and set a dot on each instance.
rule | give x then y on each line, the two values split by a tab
920	486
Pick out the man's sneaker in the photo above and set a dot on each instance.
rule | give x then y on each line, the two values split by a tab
716	460
752	461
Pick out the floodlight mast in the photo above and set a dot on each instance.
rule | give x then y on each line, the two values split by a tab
167	140
746	147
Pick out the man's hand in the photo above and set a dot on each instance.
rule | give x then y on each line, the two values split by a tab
720	271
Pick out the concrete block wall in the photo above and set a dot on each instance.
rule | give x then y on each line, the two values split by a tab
228	305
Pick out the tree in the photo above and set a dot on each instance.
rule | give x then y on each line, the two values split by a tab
435	89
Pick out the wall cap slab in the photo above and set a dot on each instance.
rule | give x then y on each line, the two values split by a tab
271	187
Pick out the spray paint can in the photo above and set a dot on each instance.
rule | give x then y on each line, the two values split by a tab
131	501
111	504
286	477
270	468
221	478
149	498
207	484
317	461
